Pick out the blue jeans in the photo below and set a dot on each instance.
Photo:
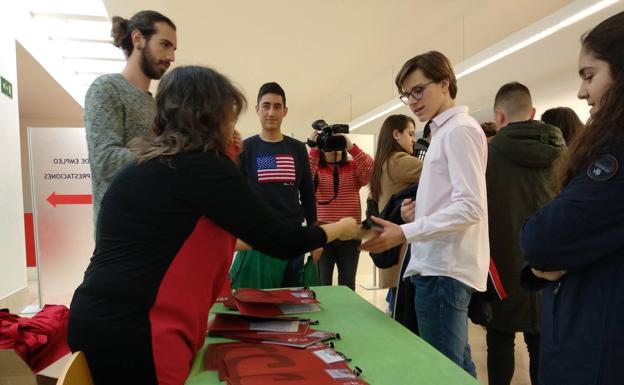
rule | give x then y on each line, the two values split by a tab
442	313
391	297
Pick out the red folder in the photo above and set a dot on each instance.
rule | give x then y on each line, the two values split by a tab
234	360
281	360
325	377
238	323
274	310
280	296
296	340
217	352
273	303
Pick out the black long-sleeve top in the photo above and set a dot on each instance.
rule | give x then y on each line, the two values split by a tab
164	243
280	173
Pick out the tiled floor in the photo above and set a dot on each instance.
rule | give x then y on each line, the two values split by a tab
365	279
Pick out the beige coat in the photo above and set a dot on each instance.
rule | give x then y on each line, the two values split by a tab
401	171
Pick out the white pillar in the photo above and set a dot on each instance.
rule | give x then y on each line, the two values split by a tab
12	246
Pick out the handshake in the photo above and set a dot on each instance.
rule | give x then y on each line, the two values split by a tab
346	229
382	235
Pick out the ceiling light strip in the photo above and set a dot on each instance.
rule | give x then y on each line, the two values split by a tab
80	40
518	41
378	112
504	48
67	16
96	73
93	58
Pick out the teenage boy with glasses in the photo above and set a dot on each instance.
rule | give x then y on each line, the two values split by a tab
448	226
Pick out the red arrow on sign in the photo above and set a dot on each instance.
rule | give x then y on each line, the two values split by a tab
54	199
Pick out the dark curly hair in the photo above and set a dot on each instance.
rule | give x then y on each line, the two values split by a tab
194	104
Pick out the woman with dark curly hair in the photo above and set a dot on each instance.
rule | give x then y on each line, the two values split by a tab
165	237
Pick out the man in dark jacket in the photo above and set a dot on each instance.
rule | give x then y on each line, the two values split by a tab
518	178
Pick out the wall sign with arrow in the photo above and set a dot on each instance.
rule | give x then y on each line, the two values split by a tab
62	209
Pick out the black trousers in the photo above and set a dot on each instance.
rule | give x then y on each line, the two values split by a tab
345	255
116	354
500	357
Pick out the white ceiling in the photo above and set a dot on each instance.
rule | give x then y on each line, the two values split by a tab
337	59
40	96
548	68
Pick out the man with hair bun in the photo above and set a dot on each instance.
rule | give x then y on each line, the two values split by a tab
118	107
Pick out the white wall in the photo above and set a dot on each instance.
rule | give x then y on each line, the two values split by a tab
367	144
13	253
560	91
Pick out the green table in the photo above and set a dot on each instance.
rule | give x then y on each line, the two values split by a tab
388	353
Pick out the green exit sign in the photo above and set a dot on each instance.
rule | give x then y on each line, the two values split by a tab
6	87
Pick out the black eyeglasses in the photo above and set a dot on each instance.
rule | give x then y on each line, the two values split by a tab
416	92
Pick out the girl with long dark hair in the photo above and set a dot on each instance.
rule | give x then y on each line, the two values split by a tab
394	169
574	245
566	119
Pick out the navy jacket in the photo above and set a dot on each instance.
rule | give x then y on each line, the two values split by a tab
581	231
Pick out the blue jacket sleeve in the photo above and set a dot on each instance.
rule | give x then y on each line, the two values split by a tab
579	227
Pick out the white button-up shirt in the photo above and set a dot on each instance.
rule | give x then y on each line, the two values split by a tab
450	232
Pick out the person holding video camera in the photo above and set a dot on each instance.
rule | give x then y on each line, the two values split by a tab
337	182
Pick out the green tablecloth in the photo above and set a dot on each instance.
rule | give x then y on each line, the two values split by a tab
388	353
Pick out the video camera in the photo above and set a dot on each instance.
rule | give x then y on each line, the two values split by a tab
327	140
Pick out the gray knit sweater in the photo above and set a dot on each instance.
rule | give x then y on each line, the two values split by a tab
115	112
